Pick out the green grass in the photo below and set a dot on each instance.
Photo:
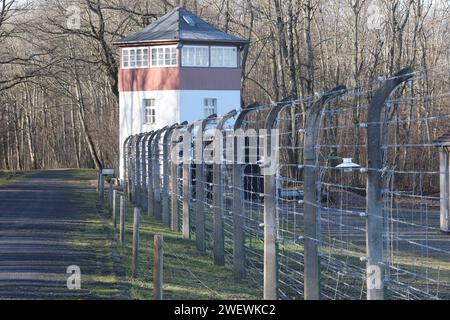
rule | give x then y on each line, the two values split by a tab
95	237
7	177
84	177
188	274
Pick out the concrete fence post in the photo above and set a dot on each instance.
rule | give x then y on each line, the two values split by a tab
239	258
150	193
115	207
135	254
199	190
311	203
200	182
218	231
166	177
138	171
129	161
157	174
175	214
122	218
374	224
270	162
98	180
102	188
186	229
144	164
444	179
110	197
158	265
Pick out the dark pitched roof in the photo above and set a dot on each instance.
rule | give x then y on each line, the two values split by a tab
443	140
180	24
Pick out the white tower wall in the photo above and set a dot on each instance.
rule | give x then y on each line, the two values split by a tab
172	106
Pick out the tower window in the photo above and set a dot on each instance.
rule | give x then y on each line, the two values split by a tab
195	56
224	57
164	56
150	111
135	58
209	106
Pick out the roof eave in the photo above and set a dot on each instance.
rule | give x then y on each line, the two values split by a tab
243	41
119	43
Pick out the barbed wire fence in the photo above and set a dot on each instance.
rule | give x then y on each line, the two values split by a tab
356	206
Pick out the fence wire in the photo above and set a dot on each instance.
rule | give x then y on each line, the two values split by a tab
416	251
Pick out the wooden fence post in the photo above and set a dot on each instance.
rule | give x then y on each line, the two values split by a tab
135	257
122	218
158	266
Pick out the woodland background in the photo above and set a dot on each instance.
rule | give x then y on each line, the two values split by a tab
58	85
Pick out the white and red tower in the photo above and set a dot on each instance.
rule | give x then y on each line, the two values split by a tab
179	68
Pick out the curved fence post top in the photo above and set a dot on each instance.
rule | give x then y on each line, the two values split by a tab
178	126
147	134
206	121
224	119
125	143
169	132
313	116
316	108
159	133
383	93
190	127
243	114
140	137
273	115
132	141
151	138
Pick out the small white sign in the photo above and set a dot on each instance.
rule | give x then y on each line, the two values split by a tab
107	172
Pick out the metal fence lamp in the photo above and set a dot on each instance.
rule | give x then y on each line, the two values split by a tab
348	165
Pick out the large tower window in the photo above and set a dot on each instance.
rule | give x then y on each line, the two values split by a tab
165	56
135	58
143	57
224	57
149	111
195	56
209	107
